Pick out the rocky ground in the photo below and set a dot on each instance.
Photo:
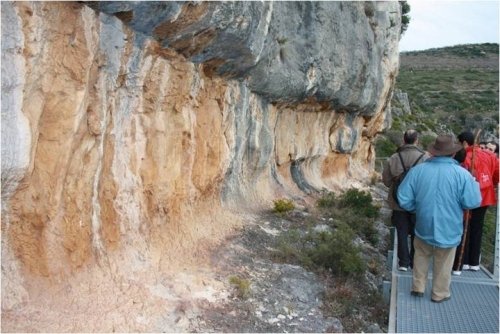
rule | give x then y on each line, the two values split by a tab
271	296
241	286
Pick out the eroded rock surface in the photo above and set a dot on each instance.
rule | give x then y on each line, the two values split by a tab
131	141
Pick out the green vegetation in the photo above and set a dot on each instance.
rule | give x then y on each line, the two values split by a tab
352	214
333	246
405	18
282	206
427	140
327	200
455	87
488	243
343	301
242	286
463	50
458	99
337	252
449	89
359	201
453	97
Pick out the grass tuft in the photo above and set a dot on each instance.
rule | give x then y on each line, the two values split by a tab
282	206
241	285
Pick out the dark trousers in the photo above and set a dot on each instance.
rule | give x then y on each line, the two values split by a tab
472	249
405	225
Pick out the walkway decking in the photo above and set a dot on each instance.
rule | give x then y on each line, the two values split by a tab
473	307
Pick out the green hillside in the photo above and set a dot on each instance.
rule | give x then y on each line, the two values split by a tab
455	86
449	89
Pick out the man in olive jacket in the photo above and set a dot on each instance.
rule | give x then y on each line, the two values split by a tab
404	221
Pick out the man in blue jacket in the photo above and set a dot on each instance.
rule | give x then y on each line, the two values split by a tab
438	190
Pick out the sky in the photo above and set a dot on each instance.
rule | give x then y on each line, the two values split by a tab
439	23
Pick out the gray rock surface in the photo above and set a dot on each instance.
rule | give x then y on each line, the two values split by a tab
339	52
400	103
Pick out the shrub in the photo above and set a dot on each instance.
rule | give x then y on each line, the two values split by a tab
343	299
337	252
335	255
354	208
283	205
396	136
361	201
426	140
384	147
290	247
242	286
328	250
353	214
405	7
405	18
326	201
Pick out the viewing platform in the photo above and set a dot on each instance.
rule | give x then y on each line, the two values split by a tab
473	307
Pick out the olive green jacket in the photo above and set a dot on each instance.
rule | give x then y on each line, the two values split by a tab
393	168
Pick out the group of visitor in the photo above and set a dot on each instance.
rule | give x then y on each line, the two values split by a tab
441	204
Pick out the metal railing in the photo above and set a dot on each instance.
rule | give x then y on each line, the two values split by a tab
497	245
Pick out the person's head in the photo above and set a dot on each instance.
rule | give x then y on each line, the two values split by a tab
482	145
410	137
444	145
492	146
460	155
466	138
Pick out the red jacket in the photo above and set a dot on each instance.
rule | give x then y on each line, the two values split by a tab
485	171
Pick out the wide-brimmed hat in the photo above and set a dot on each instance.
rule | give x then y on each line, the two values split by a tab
444	145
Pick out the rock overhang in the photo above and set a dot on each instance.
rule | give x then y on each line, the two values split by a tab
339	52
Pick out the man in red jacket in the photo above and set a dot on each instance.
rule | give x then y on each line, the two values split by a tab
485	170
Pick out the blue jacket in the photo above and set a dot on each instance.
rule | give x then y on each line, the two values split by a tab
438	190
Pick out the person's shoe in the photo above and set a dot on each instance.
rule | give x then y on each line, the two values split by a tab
456	273
417	294
474	268
401	268
465	267
441	300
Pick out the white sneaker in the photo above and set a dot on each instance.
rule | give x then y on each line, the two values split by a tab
456	273
402	268
474	268
465	267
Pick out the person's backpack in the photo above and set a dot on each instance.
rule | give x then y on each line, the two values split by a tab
399	179
481	170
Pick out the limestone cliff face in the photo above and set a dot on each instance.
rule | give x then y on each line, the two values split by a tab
130	129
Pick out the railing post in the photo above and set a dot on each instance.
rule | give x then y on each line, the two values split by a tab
497	245
391	328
